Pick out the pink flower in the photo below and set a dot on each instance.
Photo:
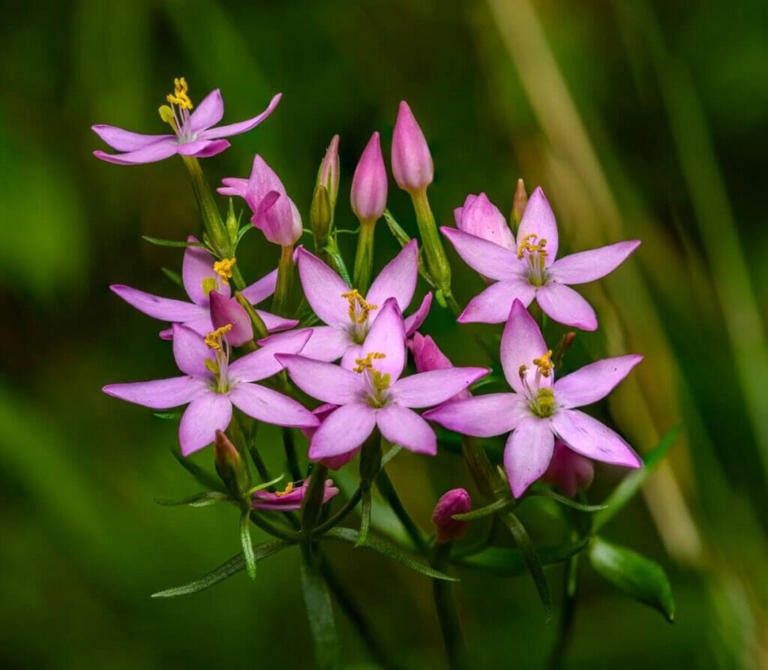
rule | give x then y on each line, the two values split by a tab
411	161
211	385
541	409
569	471
200	278
291	498
369	183
195	134
373	395
455	501
530	270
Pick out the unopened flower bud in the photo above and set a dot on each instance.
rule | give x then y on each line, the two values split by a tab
320	215
455	501
274	213
519	203
230	465
480	217
411	160
328	174
569	471
225	311
369	183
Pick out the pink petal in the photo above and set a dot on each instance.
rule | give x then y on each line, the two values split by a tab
262	363
426	389
125	140
233	186
404	427
208	113
353	353
412	165
343	431
323	289
481	218
594	381
196	268
564	305
521	342
593	439
271	407
205	415
587	266
482	416
387	336
527	453
159	393
190	351
150	153
228	312
492	305
202	325
274	323
242	126
260	289
539	219
324	381
203	148
165	309
327	344
414	321
488	258
397	278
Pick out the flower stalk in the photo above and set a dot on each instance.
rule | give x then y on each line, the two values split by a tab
434	252
284	281
214	227
361	279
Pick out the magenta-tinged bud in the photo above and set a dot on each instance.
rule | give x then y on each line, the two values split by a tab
455	501
519	203
369	184
227	311
569	471
480	217
328	174
411	161
230	465
427	356
274	213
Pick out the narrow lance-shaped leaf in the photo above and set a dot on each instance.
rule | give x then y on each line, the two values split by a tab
580	507
171	243
510	562
174	276
202	476
245	541
637	576
320	614
198	500
487	510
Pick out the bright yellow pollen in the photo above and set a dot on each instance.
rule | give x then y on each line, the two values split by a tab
286	491
545	402
223	268
179	96
380	380
528	243
545	364
354	297
213	339
166	114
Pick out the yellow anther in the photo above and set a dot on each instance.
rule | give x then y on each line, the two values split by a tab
545	364
179	96
380	380
213	339
528	243
545	402
354	298
367	362
208	284
166	114
521	372
286	491
223	268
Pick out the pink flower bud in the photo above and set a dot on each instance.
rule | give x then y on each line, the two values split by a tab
274	213
369	184
569	471
227	311
480	217
328	174
411	161
427	356
455	501
229	464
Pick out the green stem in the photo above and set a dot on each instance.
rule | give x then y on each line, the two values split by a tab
447	612
313	501
570	578
284	281
361	278
437	261
291	458
339	516
267	526
212	222
390	494
261	467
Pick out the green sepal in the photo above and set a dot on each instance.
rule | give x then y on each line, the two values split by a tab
203	499
510	562
635	575
631	484
174	276
245	541
224	571
322	625
403	238
487	510
201	476
387	549
171	243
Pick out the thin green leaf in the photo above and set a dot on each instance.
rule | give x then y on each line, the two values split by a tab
168	416
481	512
510	562
636	575
174	276
245	541
531	558
581	507
631	484
320	615
224	571
265	485
171	243
365	514
198	500
389	550
242	231
202	476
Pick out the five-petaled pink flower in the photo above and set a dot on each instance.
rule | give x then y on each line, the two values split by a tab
291	498
195	134
372	394
541	409
211	385
348	315
201	274
528	269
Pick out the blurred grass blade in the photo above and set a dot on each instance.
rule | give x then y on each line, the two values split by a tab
510	562
224	571
201	475
320	615
198	500
637	576
170	243
631	484
389	550
245	541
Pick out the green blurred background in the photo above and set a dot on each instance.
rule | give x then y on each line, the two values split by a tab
639	119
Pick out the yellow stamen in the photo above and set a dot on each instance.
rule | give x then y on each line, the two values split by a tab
286	491
367	362
545	402
223	268
354	297
213	339
179	96
528	243
545	364
380	380
166	114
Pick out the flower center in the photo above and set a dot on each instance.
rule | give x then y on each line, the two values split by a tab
378	381
535	253
216	341
223	268
359	309
544	405
541	400
177	114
